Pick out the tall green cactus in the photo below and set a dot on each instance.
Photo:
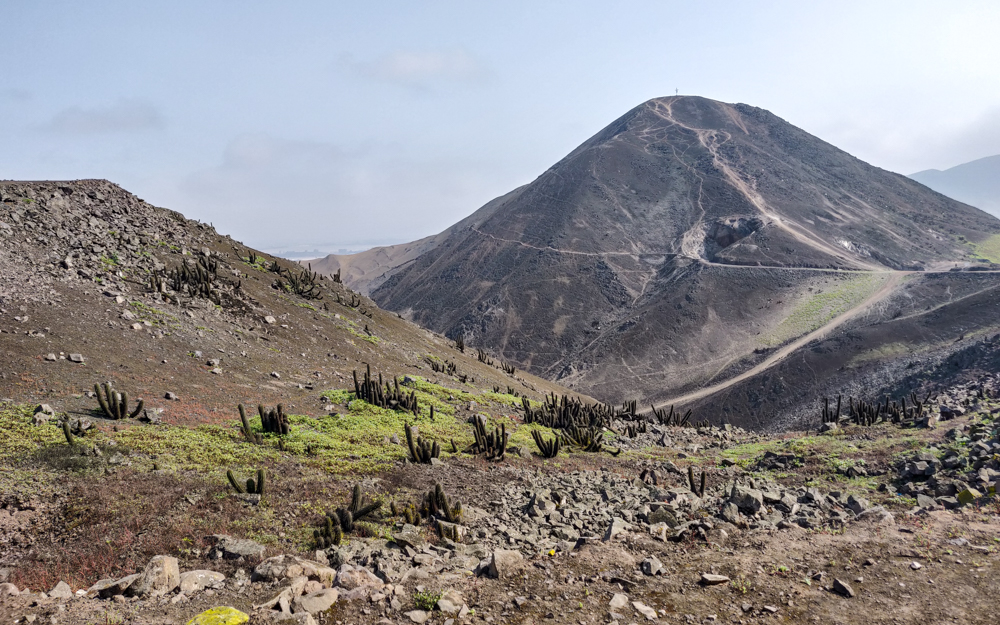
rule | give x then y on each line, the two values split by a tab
115	405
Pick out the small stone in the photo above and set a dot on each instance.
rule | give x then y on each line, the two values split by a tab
314	602
268	319
77	358
842	588
418	616
710	579
652	566
504	563
645	610
220	616
216	371
160	576
618	601
276	375
967	496
617	528
51	357
916	566
236	548
771	608
192	581
61	591
169	395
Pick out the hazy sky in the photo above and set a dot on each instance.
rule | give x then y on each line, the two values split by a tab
323	125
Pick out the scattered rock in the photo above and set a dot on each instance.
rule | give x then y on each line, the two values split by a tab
644	610
618	601
652	566
160	576
77	358
314	602
234	548
842	588
171	396
269	320
61	591
51	357
711	579
418	616
191	581
504	563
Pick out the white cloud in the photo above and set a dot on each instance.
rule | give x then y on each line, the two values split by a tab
422	69
122	116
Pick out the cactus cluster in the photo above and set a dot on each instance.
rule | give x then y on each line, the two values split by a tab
671	418
460	344
354	302
483	357
435	505
302	284
113	404
507	368
493	445
587	439
274	421
548	449
341	521
384	395
861	412
634	429
447	367
421	451
510	390
252	487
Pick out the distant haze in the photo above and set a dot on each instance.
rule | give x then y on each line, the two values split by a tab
976	183
319	126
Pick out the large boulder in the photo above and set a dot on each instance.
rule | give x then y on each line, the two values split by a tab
504	563
314	602
234	548
160	576
191	581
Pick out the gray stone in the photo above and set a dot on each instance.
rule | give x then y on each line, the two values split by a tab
710	579
77	358
842	588
618	601
617	528
924	501
748	500
504	563
645	610
663	514
652	566
235	548
160	576
192	581
730	512
61	591
44	409
350	578
314	602
418	616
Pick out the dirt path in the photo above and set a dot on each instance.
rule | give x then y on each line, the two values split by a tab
890	284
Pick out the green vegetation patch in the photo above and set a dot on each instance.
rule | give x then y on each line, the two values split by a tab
988	249
819	308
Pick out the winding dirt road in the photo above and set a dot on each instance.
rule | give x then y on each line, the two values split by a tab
890	284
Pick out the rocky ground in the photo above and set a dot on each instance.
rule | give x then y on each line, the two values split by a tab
135	520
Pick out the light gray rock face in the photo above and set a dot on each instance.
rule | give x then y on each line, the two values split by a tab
235	548
504	563
193	581
61	591
160	576
314	602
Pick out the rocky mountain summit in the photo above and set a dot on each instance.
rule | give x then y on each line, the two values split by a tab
689	248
